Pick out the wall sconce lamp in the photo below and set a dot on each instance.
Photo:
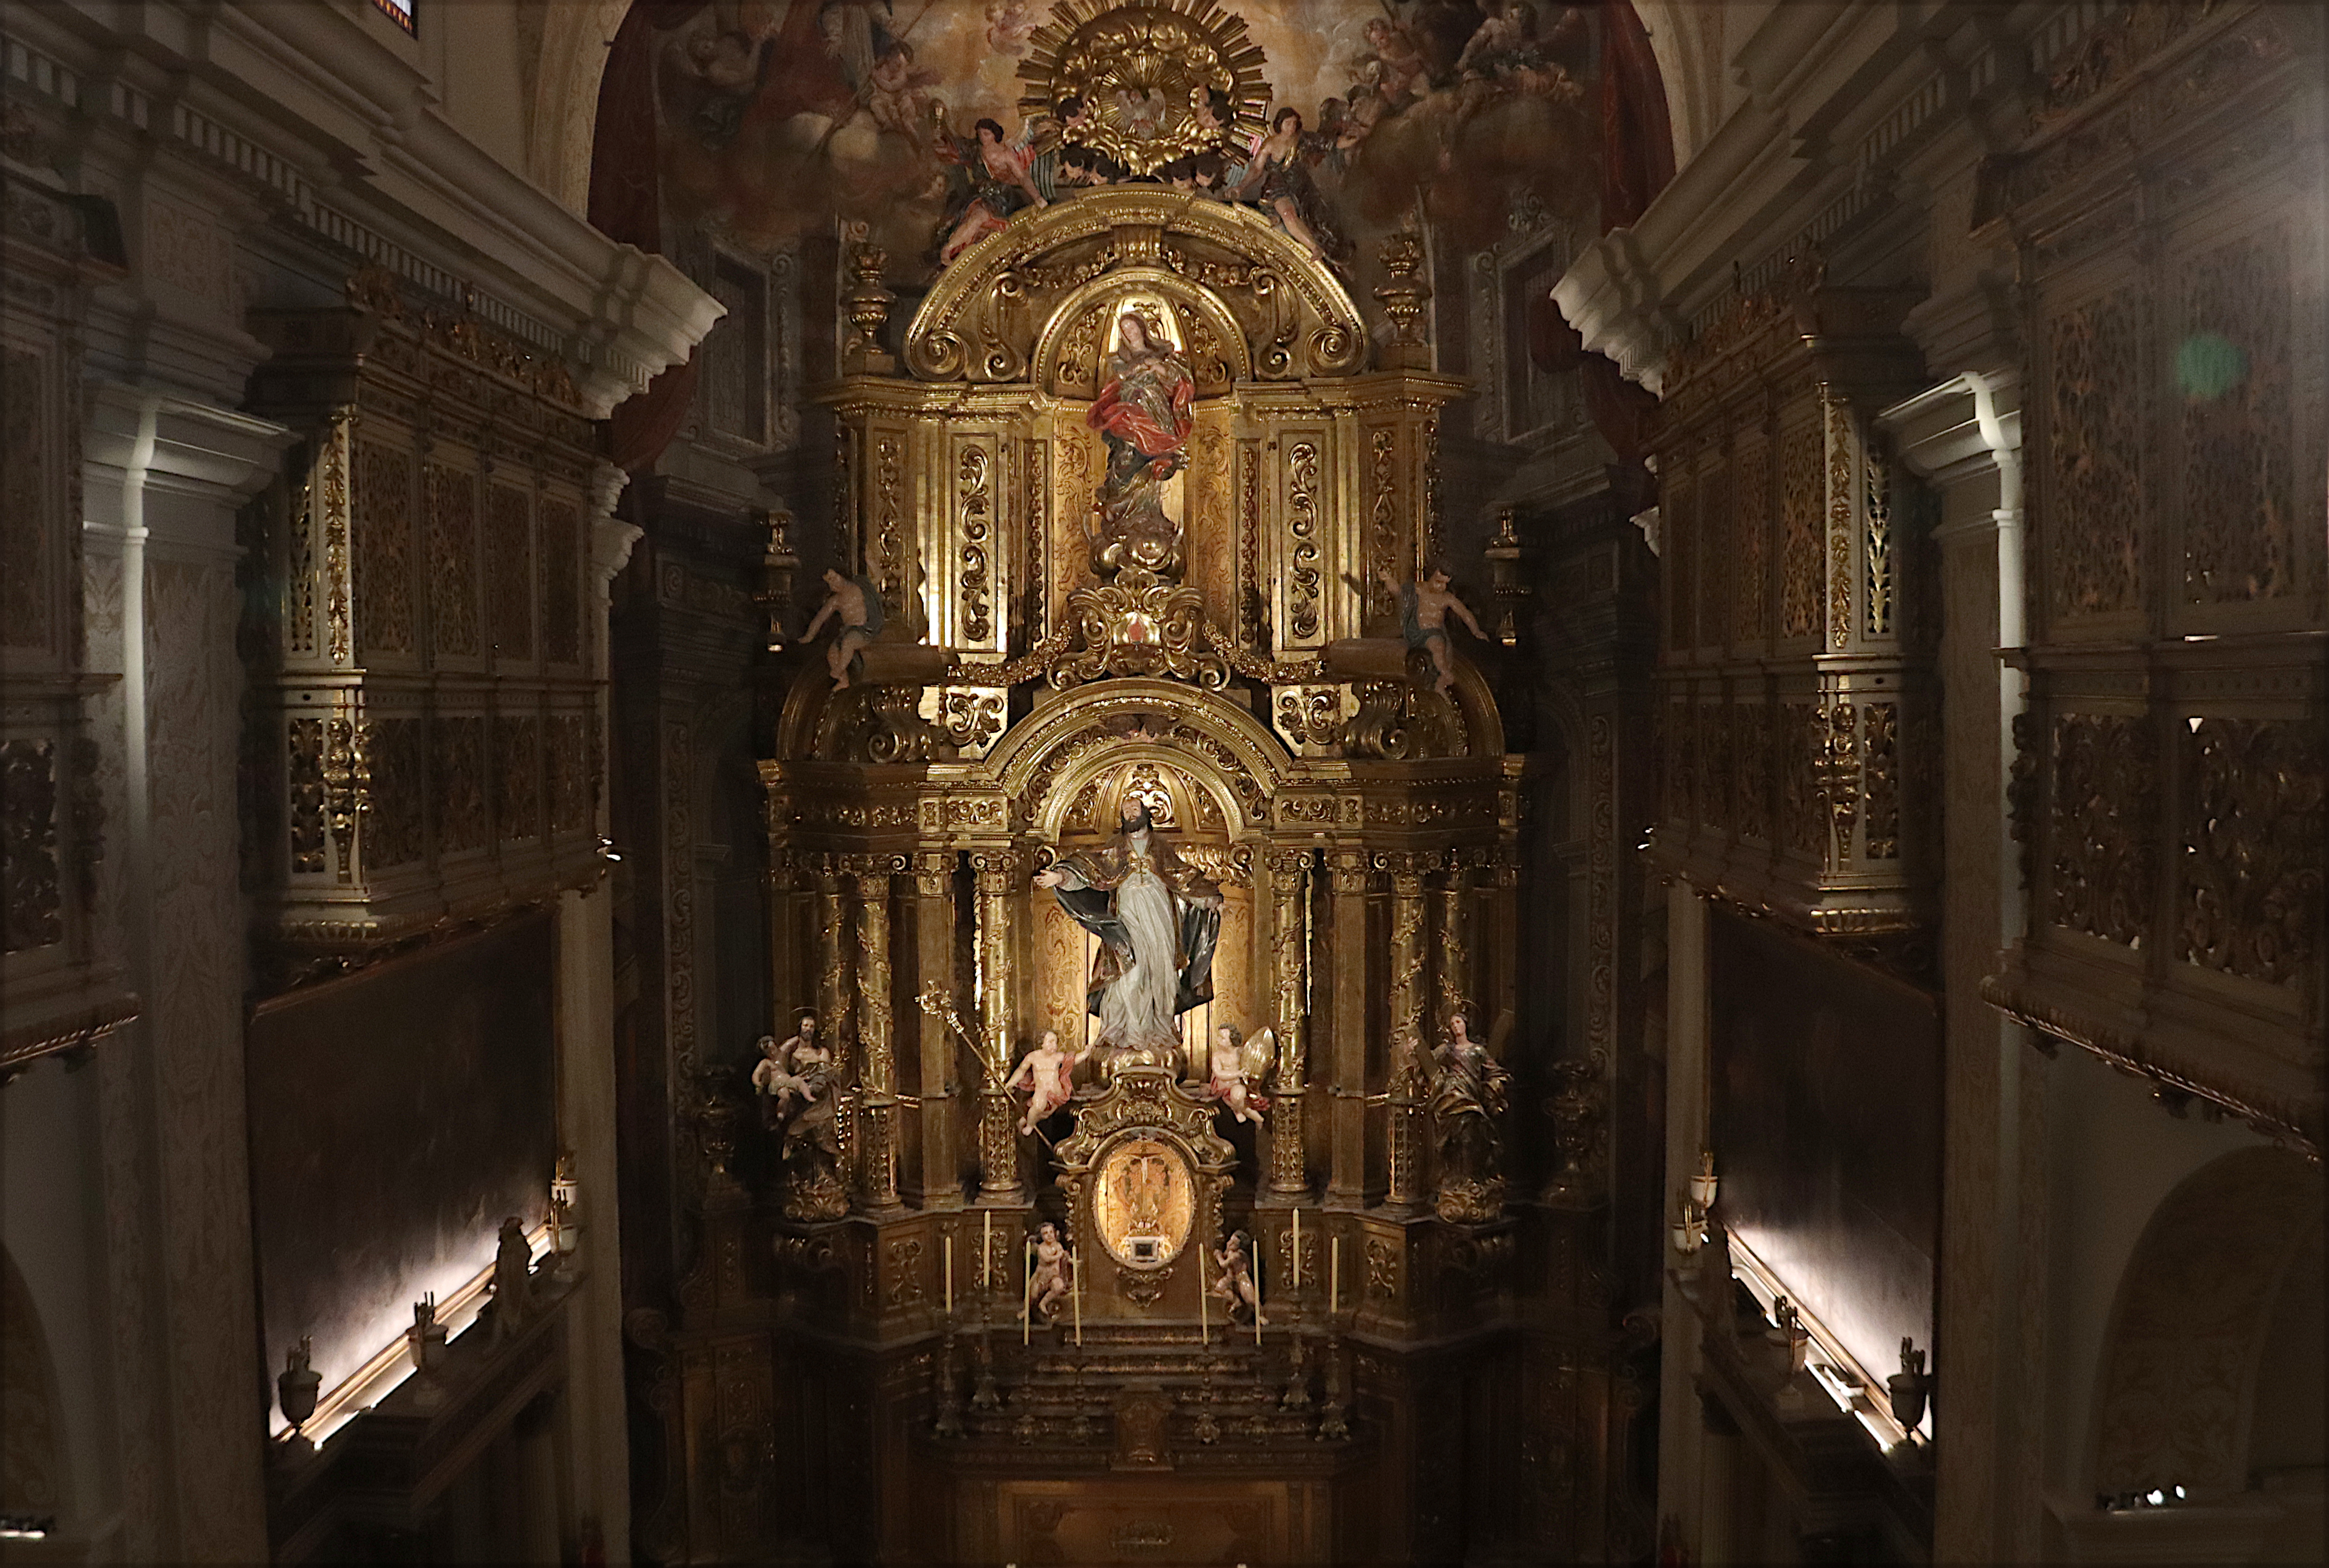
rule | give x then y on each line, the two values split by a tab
1703	1184
565	1211
1689	1227
296	1387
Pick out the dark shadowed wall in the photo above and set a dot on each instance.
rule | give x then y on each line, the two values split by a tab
1825	1105
396	1116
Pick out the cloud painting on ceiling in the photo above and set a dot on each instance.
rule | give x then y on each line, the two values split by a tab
935	122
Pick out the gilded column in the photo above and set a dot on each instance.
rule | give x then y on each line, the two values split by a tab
1000	873
837	1008
1350	877
878	1071
935	1183
1409	1001
1453	951
1289	965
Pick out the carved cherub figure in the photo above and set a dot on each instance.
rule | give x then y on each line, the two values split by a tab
1423	608
1238	1070
857	604
782	1078
1046	1075
1234	1284
1054	1274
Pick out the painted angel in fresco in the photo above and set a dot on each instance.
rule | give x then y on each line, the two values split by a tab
1053	1278
1145	411
1046	1076
1238	1072
1010	23
1423	610
1277	180
1234	1281
1506	56
1001	183
1157	918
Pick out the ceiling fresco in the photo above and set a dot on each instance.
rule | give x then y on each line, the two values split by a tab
934	122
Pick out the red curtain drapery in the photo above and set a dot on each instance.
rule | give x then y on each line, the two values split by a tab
626	204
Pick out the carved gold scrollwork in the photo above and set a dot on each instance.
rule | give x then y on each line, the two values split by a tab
1304	578
1881	754
1840	777
1383	519
1140	626
974	508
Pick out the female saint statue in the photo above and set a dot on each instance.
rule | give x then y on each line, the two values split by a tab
1157	918
1144	412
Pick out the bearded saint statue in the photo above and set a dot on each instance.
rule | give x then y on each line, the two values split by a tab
1157	918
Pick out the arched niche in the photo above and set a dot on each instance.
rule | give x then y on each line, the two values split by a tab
1091	726
1074	342
2194	1322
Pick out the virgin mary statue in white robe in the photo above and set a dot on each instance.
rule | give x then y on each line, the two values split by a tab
1158	920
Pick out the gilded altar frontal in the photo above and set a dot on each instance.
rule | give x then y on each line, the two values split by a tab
1185	782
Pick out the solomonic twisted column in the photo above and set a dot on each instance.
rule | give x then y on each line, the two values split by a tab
1289	961
1000	873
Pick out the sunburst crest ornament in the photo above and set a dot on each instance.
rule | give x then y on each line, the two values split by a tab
1144	71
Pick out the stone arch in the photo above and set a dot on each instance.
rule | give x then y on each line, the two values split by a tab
566	43
2194	1320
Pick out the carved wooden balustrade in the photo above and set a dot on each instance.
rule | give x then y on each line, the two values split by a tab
425	737
2168	783
1796	714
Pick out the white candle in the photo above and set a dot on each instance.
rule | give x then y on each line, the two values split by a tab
946	1273
1075	1280
1294	1272
1027	1293
986	1251
1256	1266
1205	1305
1334	1275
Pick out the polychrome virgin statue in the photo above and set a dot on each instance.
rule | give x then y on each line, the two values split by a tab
1157	918
1145	411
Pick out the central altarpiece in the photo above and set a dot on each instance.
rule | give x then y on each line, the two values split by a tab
1146	862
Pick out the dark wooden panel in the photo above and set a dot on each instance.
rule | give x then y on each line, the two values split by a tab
396	1118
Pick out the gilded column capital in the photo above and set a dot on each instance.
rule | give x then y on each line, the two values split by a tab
933	871
998	867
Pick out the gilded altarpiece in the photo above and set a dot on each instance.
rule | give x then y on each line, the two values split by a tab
1242	675
2169	774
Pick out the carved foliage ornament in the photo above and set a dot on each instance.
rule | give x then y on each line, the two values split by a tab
2105	791
2252	839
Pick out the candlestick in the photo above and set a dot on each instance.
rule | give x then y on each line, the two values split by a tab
945	1280
1334	1275
1027	1293
1256	1295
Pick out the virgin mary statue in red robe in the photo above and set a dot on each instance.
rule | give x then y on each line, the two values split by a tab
1144	412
